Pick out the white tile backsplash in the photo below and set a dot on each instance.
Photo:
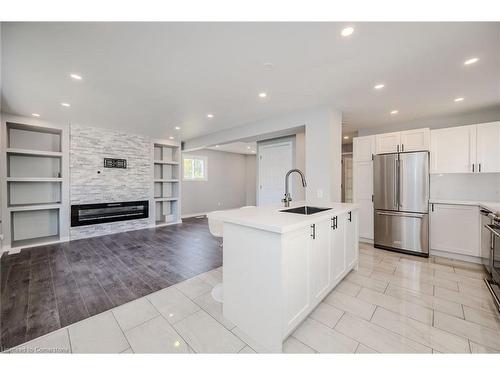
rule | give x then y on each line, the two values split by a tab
466	186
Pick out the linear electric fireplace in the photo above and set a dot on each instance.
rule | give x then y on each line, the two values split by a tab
86	214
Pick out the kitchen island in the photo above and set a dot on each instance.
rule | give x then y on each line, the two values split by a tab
278	266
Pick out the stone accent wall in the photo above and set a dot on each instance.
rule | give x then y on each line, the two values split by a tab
90	182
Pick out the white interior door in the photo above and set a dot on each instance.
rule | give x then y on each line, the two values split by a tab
274	161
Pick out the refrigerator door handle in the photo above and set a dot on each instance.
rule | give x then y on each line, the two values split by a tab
400	187
396	183
413	215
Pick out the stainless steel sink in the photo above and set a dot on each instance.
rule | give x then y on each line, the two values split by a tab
305	210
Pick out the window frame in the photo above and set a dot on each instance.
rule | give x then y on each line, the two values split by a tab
204	159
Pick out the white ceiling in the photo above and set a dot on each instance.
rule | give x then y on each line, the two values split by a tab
150	77
247	148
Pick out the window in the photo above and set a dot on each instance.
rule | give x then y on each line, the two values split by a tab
195	167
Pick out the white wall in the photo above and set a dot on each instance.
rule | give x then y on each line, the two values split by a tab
225	188
466	186
323	139
251	179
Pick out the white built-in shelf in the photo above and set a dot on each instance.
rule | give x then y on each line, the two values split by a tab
166	199
34	207
34	179
20	151
168	162
37	241
167	180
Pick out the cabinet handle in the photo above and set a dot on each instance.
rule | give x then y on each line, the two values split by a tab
432	207
402	147
350	216
313	234
472	167
479	167
397	148
333	223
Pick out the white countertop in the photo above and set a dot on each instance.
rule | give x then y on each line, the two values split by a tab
492	206
269	218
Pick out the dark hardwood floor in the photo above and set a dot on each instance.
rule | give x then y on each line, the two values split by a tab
49	287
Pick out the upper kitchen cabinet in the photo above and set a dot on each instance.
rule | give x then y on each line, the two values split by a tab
488	147
415	140
409	140
387	143
466	149
363	148
453	150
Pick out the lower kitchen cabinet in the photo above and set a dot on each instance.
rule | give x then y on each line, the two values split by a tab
321	254
455	229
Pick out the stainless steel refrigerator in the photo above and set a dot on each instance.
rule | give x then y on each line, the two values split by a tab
401	202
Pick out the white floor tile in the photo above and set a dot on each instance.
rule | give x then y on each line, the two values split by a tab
350	304
134	313
426	335
459	278
194	287
363	349
347	287
56	342
473	331
214	308
480	349
426	300
466	299
326	314
205	335
156	336
213	277
172	304
367	282
324	339
376	337
98	334
248	340
247	350
482	317
294	346
411	310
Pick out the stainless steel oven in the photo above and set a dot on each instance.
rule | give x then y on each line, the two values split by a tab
494	282
486	238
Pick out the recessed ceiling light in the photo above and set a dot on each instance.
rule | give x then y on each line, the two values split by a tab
217	146
459	99
210	115
35	115
253	151
170	137
248	147
347	31
346	137
268	66
394	112
379	86
76	76
262	95
66	104
471	61
177	128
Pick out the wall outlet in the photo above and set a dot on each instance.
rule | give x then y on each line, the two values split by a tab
319	193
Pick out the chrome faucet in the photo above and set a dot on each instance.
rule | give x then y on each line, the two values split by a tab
286	200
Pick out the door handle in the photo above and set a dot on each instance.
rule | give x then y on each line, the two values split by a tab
313	234
400	185
415	216
350	216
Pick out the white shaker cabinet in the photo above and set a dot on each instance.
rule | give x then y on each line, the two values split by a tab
320	260
338	242
455	229
363	150
488	147
453	150
388	142
403	141
415	140
351	239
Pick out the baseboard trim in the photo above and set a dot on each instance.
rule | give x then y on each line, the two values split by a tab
446	254
194	215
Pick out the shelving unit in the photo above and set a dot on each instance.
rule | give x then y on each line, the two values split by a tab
34	183
166	182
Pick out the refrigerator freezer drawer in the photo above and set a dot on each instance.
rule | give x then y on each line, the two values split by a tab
402	231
